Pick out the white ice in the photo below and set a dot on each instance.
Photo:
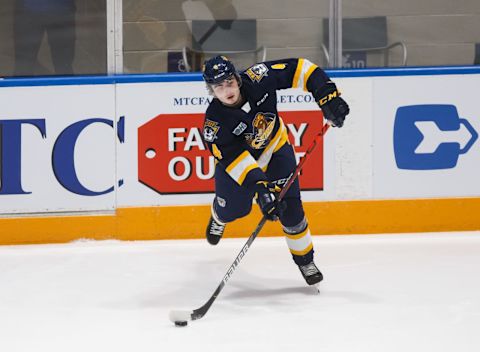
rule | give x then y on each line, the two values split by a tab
385	293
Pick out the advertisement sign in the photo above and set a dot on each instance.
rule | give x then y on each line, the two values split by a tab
426	138
415	140
173	159
57	149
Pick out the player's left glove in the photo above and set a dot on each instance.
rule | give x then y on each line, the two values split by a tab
334	108
267	200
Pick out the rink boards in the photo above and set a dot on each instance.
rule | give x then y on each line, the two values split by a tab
122	156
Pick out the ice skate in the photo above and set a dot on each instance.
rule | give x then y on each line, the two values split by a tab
310	273
214	231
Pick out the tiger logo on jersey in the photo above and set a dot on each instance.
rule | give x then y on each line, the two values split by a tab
263	125
257	72
210	130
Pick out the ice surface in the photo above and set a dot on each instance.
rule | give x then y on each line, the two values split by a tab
385	293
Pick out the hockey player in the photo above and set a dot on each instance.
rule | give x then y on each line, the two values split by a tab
250	144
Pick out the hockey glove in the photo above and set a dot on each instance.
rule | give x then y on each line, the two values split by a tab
334	108
267	200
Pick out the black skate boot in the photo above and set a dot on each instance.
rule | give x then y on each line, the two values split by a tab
310	273
214	231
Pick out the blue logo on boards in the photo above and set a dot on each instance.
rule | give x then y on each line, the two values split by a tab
430	137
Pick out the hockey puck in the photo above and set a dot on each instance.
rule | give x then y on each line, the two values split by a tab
181	323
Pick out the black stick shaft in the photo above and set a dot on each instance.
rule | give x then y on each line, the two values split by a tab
200	312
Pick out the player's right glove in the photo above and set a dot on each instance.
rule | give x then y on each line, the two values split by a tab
334	108
267	200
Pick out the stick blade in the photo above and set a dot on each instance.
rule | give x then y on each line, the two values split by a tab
176	316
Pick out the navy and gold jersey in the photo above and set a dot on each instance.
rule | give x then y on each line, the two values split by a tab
243	139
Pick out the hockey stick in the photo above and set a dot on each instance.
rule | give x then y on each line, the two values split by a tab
181	317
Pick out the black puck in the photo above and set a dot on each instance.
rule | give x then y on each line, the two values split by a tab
181	323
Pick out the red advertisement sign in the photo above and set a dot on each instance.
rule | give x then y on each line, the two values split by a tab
172	157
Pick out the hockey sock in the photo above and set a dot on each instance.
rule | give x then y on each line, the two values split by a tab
300	246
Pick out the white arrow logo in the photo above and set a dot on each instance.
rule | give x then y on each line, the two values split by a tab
433	137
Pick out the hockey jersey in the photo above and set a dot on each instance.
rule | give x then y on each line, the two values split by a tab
243	139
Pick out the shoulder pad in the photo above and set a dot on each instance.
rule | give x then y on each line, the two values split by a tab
257	72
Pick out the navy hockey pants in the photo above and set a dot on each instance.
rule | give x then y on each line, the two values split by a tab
233	201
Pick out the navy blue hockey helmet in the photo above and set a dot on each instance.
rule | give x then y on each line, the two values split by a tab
216	69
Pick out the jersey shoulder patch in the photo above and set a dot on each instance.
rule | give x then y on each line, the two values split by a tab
210	130
257	72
